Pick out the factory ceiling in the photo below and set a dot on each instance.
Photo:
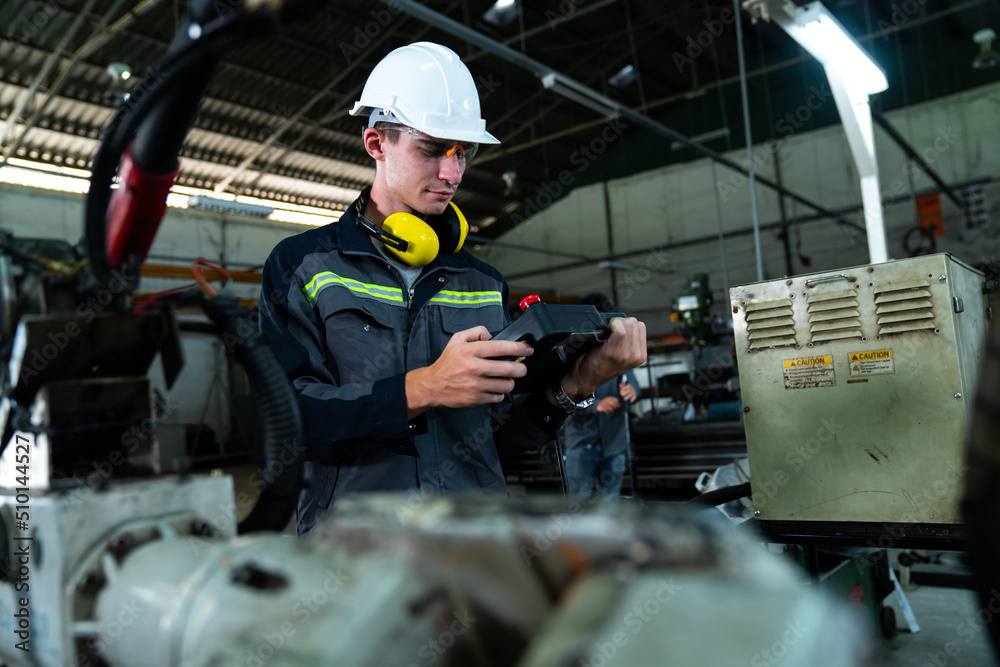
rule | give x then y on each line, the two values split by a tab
274	121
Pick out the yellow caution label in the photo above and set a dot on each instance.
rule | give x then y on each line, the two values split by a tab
808	372
808	361
870	356
874	362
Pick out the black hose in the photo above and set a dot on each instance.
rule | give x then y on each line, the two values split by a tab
174	71
284	443
720	496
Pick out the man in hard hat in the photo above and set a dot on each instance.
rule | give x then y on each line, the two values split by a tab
383	323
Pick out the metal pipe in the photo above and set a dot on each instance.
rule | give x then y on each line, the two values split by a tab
722	233
913	155
516	246
453	27
611	240
854	208
751	163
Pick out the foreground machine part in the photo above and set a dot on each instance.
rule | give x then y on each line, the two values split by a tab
82	534
404	580
858	390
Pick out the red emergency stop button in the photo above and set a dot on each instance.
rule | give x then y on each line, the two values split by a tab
528	300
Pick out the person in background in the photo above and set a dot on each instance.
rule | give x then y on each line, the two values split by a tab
596	439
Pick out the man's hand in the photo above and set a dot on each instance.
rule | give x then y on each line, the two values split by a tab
627	392
608	405
625	350
466	374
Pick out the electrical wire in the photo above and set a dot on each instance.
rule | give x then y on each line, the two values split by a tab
197	268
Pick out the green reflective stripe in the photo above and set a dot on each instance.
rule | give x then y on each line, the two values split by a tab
453	298
327	278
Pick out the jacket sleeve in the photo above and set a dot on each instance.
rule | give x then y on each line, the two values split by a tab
339	420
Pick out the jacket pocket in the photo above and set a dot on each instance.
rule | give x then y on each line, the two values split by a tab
454	320
364	341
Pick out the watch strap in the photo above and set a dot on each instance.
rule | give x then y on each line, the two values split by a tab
567	403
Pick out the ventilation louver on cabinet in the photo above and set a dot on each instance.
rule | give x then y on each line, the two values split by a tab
770	324
904	306
833	316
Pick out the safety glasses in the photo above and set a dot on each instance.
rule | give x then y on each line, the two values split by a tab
434	149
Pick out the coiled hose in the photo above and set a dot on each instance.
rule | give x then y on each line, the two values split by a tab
284	444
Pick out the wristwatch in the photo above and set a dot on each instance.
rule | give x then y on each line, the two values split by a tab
566	403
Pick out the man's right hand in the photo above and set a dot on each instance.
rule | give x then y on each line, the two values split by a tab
466	374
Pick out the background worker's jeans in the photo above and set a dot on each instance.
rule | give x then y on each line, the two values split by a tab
584	463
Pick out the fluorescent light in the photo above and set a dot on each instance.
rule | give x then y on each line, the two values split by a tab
623	77
230	207
502	12
822	35
68	179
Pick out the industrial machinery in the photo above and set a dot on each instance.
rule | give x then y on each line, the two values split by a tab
858	387
692	309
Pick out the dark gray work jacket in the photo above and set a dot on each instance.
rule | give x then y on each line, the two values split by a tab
345	329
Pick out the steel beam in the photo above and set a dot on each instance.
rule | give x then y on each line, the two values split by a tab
884	123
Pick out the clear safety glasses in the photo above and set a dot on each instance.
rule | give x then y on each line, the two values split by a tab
434	148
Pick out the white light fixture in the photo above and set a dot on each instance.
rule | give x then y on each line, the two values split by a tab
822	35
30	174
986	57
502	12
853	76
623	77
119	71
229	207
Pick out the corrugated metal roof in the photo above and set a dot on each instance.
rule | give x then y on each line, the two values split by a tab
262	85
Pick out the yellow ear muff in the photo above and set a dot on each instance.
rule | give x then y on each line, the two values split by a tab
463	226
422	243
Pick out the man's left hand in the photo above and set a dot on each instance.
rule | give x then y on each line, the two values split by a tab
625	349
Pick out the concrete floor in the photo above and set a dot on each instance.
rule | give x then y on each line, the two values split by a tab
949	636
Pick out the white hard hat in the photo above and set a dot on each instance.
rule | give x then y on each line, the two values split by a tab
427	87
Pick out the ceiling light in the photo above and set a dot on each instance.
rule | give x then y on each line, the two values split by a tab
822	35
502	12
229	207
119	71
987	56
623	77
